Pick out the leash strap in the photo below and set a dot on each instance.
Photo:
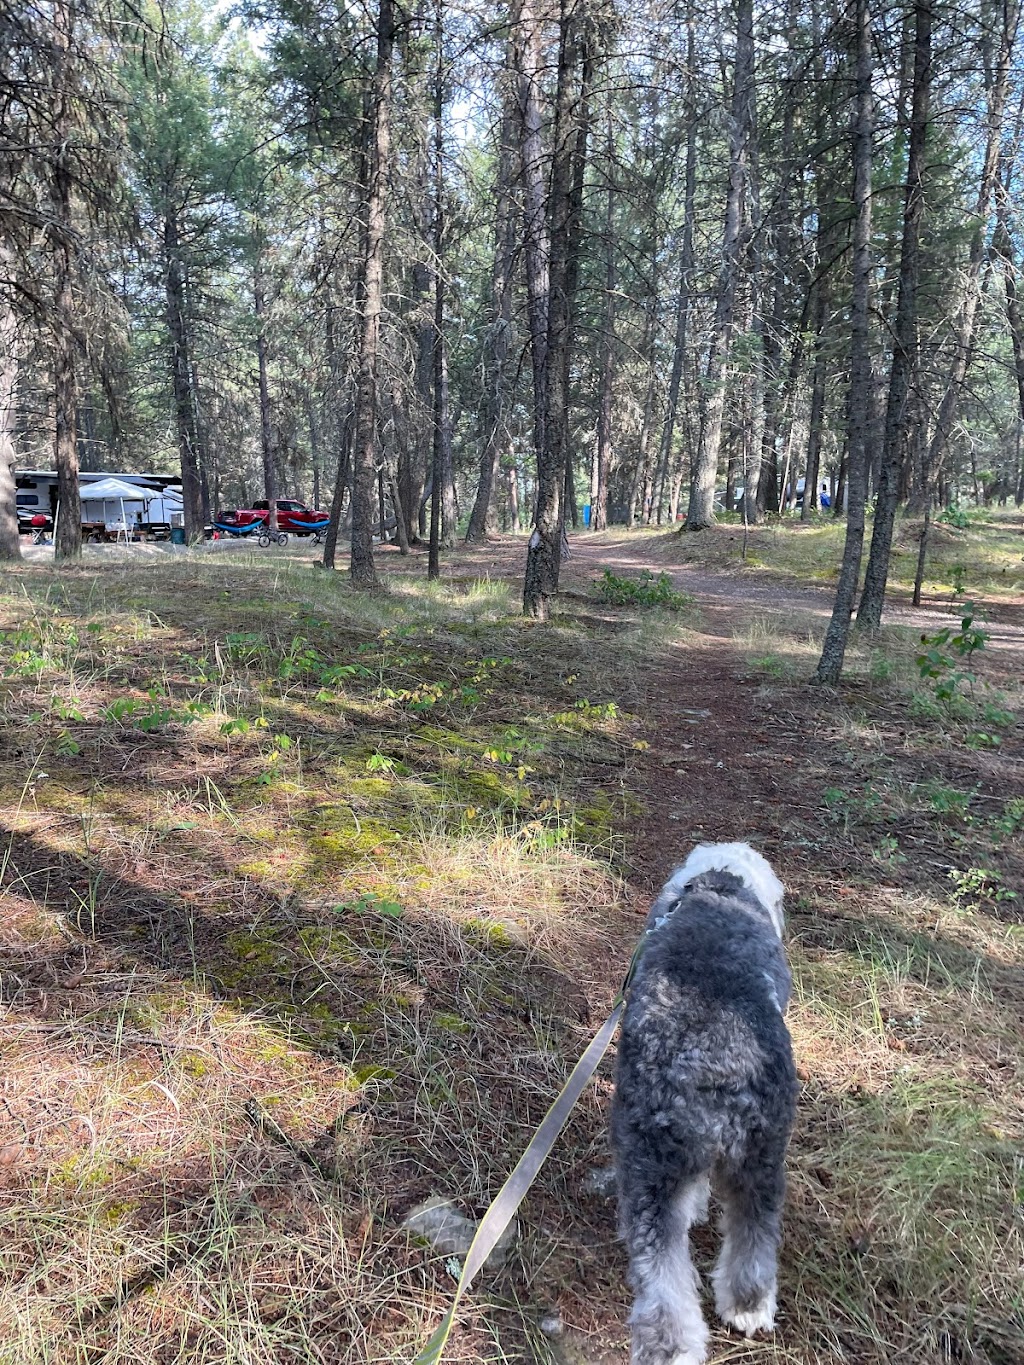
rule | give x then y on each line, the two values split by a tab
513	1192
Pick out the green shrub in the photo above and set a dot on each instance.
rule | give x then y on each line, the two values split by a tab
643	591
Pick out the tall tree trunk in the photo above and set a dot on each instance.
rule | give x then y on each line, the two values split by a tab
1002	244
755	438
573	247
830	665
606	355
497	341
339	412
181	382
396	502
1004	248
363	571
687	264
442	501
10	542
904	351
315	453
528	57
816	419
342	481
266	426
68	533
741	125
568	159
965	327
414	480
203	452
763	477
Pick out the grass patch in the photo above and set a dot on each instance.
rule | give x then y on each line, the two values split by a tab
981	558
311	900
304	894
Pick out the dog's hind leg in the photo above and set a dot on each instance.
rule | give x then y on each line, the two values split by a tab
668	1327
751	1193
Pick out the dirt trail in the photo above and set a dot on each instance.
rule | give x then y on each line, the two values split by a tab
728	595
724	761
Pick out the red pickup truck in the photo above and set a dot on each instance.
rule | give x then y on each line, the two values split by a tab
292	516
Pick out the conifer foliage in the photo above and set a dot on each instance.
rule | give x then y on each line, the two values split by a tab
453	269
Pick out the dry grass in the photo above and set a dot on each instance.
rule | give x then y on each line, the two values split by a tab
310	902
306	899
986	558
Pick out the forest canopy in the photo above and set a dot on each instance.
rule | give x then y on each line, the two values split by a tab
450	269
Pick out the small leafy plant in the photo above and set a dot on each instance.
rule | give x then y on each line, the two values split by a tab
948	801
851	808
643	591
979	885
370	903
1011	821
943	652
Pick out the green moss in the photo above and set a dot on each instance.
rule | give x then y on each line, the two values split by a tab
322	943
331	852
259	957
451	1023
275	1051
114	1213
363	1074
78	1170
257	868
369	788
488	933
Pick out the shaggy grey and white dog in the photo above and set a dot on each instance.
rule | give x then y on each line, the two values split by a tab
705	1096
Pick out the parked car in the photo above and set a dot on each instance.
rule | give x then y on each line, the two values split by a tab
292	515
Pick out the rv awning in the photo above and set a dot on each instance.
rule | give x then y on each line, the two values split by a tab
116	488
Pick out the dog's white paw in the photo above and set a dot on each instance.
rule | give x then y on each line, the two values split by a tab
760	1318
693	1355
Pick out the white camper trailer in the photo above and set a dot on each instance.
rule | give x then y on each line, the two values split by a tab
147	505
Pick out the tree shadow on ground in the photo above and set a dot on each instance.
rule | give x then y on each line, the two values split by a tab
927	959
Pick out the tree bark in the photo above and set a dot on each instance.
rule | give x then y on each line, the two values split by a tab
966	324
816	419
181	381
763	476
687	265
266	425
700	513
10	541
528	59
830	665
904	353
341	483
497	342
606	357
568	159
68	530
1003	249
362	568
442	498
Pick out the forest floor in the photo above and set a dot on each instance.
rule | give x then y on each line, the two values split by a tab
310	901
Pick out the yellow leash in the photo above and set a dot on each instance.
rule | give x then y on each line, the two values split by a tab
514	1190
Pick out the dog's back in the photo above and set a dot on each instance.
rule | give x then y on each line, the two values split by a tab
705	1088
704	1022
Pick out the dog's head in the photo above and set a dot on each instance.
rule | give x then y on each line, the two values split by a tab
743	862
